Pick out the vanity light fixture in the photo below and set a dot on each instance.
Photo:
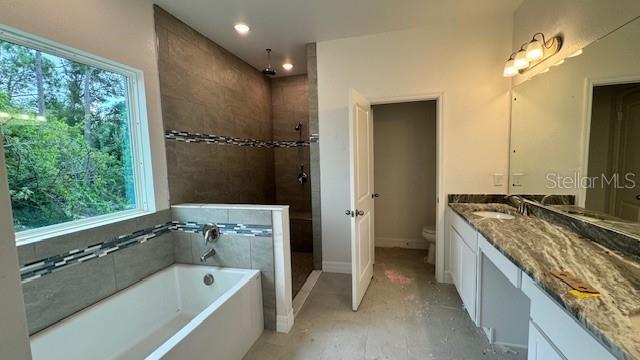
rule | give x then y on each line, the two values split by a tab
242	28
287	66
531	54
520	61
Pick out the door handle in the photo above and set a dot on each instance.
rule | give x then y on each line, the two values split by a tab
349	213
375	195
359	212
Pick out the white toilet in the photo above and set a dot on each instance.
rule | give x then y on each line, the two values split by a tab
429	234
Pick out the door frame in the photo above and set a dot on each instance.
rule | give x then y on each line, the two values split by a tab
441	200
589	85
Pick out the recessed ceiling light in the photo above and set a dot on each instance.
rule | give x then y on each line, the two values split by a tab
241	28
287	66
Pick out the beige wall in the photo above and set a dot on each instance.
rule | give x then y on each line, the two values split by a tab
463	61
119	30
579	21
404	170
208	90
14	337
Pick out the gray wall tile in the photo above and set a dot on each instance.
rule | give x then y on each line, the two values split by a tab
60	294
200	215
206	89
269	299
182	247
231	251
81	239
26	253
250	217
262	253
139	261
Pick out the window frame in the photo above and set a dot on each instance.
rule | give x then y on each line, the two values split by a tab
138	127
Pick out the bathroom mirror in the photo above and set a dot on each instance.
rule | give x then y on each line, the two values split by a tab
575	130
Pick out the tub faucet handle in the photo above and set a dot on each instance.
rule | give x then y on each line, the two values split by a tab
211	233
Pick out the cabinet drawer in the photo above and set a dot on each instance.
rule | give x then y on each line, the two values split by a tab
506	267
566	334
468	234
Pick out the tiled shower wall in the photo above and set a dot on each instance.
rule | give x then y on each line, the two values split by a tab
290	107
289	98
57	295
314	149
205	89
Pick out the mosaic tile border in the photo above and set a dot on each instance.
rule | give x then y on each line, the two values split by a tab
225	228
39	268
189	137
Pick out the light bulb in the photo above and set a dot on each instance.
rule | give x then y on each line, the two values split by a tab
520	62
287	66
509	69
534	50
241	28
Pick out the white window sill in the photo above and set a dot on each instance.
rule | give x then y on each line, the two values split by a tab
42	234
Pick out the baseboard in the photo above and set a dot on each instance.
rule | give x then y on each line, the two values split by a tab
448	279
284	323
419	244
336	267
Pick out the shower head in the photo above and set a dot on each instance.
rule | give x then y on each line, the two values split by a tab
269	70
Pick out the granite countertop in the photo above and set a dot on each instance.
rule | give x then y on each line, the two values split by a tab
539	248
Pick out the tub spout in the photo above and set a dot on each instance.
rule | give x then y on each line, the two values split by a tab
209	253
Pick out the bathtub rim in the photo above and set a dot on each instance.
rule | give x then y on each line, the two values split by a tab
170	270
169	344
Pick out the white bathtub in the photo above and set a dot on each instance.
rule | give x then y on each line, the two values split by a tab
170	315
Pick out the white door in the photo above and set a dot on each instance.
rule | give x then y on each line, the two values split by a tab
361	179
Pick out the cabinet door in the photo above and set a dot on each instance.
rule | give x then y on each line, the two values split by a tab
539	347
456	242
468	279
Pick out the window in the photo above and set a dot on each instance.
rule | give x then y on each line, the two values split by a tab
71	137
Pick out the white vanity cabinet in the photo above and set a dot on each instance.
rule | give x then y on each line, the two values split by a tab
562	333
463	255
540	348
509	306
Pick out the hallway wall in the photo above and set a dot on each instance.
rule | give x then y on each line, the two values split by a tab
404	140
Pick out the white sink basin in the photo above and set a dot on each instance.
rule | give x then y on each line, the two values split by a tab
494	215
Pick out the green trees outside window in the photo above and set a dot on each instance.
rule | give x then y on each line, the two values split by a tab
67	138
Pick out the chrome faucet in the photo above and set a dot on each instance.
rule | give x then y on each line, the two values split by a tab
522	206
544	199
207	254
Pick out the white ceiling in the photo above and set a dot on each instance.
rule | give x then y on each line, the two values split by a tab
287	25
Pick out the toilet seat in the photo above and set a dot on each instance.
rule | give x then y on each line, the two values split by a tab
429	233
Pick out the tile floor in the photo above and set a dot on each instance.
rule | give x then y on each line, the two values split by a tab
301	267
404	315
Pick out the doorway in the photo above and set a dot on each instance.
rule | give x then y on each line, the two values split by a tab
612	152
404	180
405	159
